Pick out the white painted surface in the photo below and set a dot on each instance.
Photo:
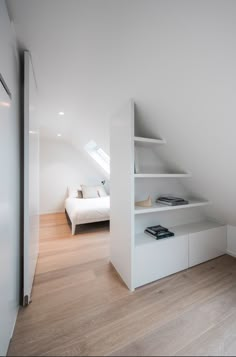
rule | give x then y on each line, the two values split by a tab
195	227
177	60
162	175
31	178
122	193
141	140
207	245
160	259
10	185
231	240
180	230
158	207
63	166
193	243
156	187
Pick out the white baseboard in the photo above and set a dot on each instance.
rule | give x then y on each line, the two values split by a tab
13	328
51	212
14	324
229	252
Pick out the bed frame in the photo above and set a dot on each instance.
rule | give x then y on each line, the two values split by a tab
73	225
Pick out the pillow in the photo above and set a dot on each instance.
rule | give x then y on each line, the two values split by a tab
75	192
90	191
102	191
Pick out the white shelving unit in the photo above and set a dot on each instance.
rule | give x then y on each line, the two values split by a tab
171	175
181	230
158	207
138	139
137	257
192	244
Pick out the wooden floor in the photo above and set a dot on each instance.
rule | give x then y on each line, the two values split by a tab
81	308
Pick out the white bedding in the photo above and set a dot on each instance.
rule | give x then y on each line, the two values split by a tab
81	211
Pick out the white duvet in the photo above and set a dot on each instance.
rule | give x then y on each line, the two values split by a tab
88	210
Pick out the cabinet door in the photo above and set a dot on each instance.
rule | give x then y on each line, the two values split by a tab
159	259
207	245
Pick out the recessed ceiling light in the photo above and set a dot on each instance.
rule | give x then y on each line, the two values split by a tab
58	134
61	113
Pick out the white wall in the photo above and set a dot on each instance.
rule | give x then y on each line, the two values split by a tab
231	240
175	58
62	165
9	190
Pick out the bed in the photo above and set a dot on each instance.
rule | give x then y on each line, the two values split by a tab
89	210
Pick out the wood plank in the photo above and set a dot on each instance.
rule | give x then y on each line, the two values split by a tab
217	341
188	327
81	307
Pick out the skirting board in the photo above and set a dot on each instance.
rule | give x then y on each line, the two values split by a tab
233	254
51	212
14	324
231	240
13	327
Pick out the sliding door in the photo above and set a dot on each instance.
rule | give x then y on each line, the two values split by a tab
31	180
7	207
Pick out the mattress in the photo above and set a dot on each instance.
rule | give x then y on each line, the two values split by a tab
88	210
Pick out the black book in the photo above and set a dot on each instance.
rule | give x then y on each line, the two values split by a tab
172	203
167	235
160	236
158	232
170	198
156	229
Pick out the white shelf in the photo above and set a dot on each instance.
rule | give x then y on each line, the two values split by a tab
144	239
139	139
162	175
195	227
157	207
140	259
179	231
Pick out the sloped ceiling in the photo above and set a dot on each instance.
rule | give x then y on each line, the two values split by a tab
176	58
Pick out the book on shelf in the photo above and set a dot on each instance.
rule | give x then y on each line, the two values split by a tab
172	201
158	232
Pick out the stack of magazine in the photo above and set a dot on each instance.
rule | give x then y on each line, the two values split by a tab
172	201
158	232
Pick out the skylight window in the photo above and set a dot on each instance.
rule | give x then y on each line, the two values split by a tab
102	159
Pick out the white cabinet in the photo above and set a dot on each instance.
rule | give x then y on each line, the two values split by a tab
207	245
192	244
158	259
138	259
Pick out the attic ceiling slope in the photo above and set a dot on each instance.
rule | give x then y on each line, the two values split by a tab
175	58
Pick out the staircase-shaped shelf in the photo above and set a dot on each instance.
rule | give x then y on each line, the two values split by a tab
167	175
161	207
158	207
128	222
142	140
